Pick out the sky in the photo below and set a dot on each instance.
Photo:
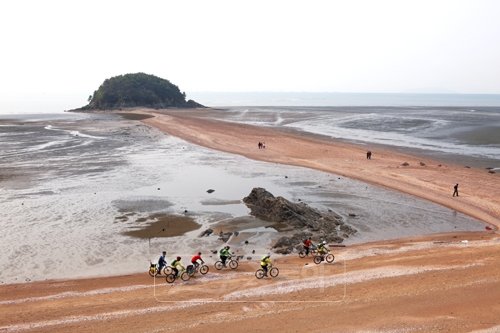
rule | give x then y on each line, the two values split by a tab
58	51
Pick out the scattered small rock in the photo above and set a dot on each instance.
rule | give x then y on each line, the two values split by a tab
185	211
249	258
158	188
422	164
210	191
207	232
225	236
246	242
405	164
214	251
286	176
253	251
439	165
352	215
467	167
489	168
491	171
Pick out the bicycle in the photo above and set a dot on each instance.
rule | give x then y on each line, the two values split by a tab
318	258
312	251
273	272
192	269
183	274
232	263
153	270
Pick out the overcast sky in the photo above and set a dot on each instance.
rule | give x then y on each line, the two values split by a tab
64	49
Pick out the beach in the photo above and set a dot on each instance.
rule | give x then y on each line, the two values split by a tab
441	282
424	178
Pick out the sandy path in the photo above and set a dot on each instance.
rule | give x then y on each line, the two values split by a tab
479	190
433	284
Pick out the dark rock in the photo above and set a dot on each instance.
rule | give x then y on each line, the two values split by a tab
467	167
210	191
352	215
249	258
253	251
205	233
405	164
284	250
299	217
422	164
214	251
246	242
491	171
225	236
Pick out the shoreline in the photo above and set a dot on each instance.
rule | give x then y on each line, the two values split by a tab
433	181
434	282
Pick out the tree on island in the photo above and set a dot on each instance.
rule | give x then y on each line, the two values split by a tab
139	89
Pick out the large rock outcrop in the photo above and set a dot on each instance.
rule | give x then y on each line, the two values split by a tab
297	217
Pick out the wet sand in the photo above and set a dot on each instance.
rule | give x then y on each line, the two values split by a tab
163	225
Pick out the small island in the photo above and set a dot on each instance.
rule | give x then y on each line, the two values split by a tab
138	90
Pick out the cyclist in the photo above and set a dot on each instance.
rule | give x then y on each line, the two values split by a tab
322	250
176	263
307	245
224	254
162	262
265	262
195	259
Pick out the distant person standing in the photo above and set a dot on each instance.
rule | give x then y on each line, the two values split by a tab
368	155
455	190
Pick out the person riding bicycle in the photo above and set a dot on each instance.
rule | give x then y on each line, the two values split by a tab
194	260
322	250
162	262
175	264
307	245
265	262
224	254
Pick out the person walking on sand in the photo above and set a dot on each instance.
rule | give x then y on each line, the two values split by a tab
455	190
368	155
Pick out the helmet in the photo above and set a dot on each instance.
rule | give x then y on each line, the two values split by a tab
227	247
267	256
323	242
178	258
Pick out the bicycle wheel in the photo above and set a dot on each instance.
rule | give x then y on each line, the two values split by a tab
233	264
218	265
170	278
330	258
185	276
204	269
191	271
318	260
274	272
259	274
167	270
302	254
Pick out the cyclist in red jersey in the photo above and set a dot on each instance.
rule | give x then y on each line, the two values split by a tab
195	259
